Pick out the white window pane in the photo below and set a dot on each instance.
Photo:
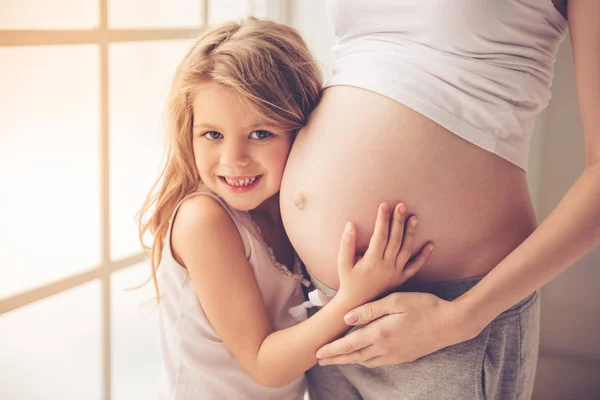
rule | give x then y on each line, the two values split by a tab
49	206
49	14
52	349
135	335
140	77
227	10
155	13
261	8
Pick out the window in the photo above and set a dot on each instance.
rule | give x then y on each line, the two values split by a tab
83	88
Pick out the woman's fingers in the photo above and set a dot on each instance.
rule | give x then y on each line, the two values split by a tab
420	324
407	242
353	342
396	232
347	249
366	313
377	361
380	235
360	356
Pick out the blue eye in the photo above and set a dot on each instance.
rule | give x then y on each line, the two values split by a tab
213	135
261	134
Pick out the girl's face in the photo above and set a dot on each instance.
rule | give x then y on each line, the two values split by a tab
238	156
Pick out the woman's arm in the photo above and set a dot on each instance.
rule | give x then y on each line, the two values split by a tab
207	242
573	227
411	326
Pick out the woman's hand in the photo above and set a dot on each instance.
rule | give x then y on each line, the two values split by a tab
385	263
401	327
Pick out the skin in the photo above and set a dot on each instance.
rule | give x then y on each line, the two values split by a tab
241	156
421	164
252	148
411	325
226	143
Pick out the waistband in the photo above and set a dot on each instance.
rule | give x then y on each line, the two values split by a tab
448	290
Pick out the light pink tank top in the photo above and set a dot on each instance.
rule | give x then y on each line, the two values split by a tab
196	364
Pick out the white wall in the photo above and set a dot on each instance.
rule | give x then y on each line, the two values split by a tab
308	16
569	365
570	350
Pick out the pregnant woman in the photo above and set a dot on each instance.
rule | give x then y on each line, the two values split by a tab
432	104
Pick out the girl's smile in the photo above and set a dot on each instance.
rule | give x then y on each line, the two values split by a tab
239	154
240	184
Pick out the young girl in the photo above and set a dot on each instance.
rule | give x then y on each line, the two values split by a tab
229	280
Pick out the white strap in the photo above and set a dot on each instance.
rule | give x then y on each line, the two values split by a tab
316	298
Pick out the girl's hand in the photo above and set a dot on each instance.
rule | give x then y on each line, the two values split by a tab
385	264
401	327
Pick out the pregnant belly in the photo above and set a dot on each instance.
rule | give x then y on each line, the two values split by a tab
360	149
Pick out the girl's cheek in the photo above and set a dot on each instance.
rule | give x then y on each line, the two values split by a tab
280	153
281	159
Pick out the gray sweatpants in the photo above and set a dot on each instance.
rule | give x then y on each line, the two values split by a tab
499	364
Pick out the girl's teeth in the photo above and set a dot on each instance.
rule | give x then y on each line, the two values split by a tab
240	183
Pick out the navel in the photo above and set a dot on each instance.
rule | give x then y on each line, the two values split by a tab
300	200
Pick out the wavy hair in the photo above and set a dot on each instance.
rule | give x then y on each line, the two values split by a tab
268	65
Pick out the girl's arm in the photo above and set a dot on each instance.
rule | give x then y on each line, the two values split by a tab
569	232
207	242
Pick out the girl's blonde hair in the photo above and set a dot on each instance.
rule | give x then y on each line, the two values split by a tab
268	65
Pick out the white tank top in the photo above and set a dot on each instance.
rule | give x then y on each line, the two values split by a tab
196	364
480	68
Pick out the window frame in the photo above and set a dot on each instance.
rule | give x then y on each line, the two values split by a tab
103	36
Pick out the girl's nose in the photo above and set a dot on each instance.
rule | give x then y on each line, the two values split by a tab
235	155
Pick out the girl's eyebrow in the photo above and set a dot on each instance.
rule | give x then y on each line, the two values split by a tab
263	125
208	126
202	126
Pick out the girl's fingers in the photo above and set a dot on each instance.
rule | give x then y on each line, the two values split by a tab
396	232
411	268
347	249
408	242
381	232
